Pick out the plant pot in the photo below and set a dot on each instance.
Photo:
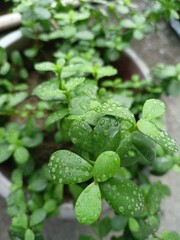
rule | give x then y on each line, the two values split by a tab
133	65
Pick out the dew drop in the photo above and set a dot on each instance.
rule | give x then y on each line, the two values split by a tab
121	209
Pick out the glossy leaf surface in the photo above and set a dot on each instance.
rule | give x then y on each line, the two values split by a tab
113	109
106	165
88	205
124	196
144	147
45	66
82	135
56	116
153	108
67	167
160	136
106	135
49	91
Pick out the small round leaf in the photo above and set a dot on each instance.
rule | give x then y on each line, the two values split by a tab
29	235
153	108
67	167
88	205
106	165
123	195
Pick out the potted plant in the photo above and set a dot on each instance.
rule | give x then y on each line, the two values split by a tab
68	91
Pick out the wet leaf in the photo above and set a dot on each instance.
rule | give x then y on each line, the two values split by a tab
56	116
160	136
153	108
124	196
81	135
67	167
113	109
45	66
106	165
144	147
106	135
74	82
106	71
155	195
88	205
49	91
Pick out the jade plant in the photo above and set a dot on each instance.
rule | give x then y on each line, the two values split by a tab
73	128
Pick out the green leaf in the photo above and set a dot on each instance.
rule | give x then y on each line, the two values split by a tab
106	165
133	224
161	137
50	206
45	66
127	23
16	203
21	155
170	236
152	109
162	164
106	71
29	235
38	216
106	135
56	116
144	147
145	228
155	195
20	220
17	178
5	152
81	135
75	190
42	13
67	167
65	32
73	70
174	88
124	196
118	223
79	105
85	35
102	227
16	233
88	205
125	146
17	98
32	141
37	184
113	109
49	91
74	82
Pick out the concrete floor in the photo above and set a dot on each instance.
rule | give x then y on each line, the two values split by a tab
162	46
